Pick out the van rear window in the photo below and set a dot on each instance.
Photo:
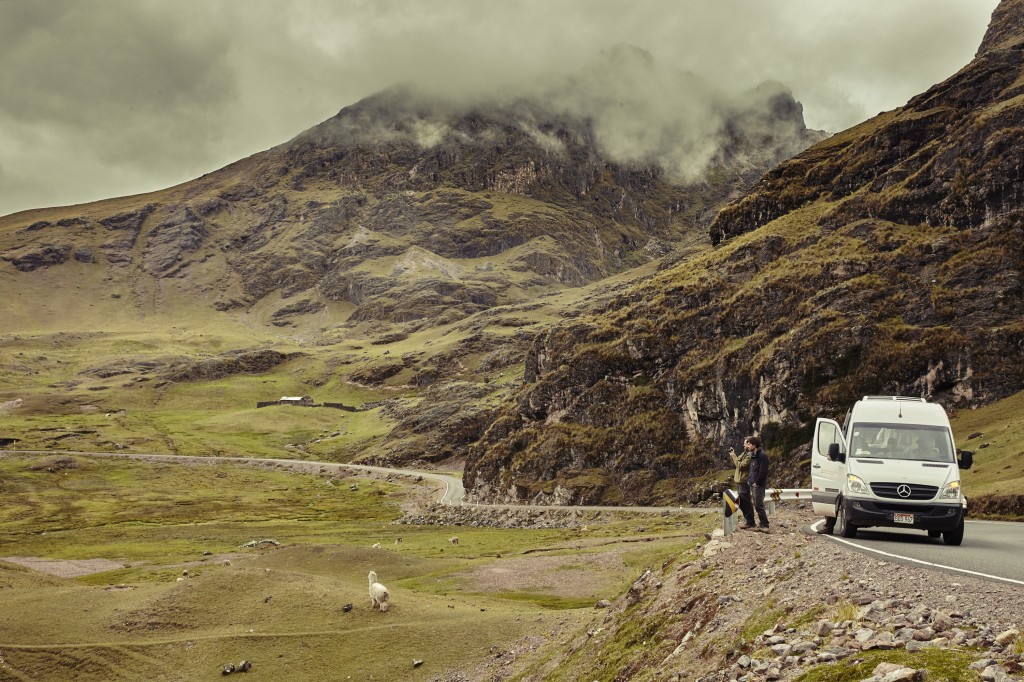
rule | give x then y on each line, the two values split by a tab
902	441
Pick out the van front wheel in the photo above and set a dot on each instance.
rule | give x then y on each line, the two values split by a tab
843	526
955	536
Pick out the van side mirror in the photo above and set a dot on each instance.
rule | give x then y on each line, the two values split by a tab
834	454
966	459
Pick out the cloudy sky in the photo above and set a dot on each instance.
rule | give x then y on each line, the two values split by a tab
102	98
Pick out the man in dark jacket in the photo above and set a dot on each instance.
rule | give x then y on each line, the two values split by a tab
758	478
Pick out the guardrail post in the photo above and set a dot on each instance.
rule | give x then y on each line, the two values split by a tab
730	503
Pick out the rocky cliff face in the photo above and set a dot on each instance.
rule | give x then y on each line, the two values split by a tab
886	259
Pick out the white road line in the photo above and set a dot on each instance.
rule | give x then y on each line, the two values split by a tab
919	561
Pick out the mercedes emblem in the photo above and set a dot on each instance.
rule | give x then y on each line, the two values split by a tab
903	490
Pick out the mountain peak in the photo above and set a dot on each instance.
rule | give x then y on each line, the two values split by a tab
1006	27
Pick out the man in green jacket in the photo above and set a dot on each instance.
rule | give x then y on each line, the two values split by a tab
742	463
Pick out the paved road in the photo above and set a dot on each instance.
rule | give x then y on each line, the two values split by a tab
991	549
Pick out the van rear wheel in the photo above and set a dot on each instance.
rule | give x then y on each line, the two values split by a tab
955	536
843	526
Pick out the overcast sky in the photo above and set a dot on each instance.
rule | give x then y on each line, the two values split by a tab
103	98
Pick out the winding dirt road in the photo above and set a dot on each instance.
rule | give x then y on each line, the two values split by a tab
453	492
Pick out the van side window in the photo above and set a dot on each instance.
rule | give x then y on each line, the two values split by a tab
828	434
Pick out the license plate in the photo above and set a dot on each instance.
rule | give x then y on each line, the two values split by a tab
903	518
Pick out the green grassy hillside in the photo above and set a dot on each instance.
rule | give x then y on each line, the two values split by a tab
995	433
279	606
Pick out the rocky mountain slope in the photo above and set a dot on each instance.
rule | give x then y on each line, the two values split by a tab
410	207
332	259
884	260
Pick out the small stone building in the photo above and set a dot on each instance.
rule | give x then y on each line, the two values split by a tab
303	401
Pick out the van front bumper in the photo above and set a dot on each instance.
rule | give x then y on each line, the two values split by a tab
940	517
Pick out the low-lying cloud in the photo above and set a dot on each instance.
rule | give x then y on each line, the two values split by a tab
127	96
634	111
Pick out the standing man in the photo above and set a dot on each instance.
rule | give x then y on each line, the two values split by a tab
758	478
742	464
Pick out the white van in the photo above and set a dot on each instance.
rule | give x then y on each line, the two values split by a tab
893	463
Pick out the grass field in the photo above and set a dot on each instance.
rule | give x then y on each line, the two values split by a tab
998	448
95	373
280	607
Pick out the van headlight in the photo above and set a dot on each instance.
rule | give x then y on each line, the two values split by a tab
856	485
951	491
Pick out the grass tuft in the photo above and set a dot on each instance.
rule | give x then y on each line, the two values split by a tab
947	665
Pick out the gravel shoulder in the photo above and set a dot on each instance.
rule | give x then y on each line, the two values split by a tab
755	606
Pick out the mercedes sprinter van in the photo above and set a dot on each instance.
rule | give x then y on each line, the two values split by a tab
892	463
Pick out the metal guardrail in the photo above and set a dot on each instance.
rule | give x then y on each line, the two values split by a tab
731	503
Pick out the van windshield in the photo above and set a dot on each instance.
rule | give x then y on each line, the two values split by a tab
902	441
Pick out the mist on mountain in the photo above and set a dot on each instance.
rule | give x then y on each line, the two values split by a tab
640	114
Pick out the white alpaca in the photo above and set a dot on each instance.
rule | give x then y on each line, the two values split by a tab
454	539
376	545
379	594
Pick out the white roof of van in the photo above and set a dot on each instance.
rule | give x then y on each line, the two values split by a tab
887	409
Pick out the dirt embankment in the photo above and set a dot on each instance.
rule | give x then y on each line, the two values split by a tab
998	506
773	607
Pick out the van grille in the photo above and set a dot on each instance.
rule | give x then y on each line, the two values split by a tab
917	491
